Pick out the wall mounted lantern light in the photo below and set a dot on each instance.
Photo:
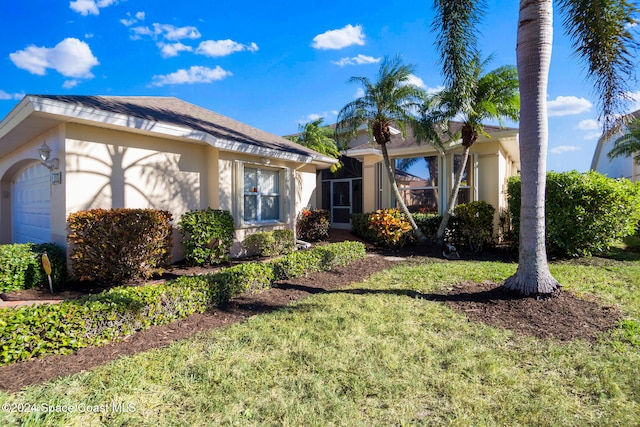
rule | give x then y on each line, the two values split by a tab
45	153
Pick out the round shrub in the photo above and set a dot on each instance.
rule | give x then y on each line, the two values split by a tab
313	225
391	227
585	213
207	236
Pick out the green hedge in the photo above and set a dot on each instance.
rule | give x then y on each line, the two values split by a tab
585	213
270	243
207	236
21	266
34	331
114	245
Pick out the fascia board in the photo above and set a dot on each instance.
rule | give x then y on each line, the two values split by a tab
104	118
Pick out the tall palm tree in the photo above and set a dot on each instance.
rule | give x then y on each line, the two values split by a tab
388	102
600	30
601	37
490	96
628	145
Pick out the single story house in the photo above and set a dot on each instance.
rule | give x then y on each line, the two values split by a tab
362	185
619	167
63	154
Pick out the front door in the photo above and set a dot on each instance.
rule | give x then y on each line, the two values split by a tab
341	203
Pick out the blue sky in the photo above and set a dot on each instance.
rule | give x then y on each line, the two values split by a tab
273	65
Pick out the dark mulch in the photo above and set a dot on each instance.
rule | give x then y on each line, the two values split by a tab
563	318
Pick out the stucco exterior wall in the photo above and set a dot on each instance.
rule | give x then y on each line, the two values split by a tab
12	165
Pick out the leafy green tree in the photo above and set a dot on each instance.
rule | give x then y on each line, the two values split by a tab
319	138
482	97
628	145
389	102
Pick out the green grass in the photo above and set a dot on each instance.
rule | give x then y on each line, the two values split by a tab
372	355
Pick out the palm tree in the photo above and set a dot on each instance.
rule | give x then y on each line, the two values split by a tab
628	145
600	33
490	96
319	138
600	30
388	102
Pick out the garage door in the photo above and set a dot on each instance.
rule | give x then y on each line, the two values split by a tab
30	213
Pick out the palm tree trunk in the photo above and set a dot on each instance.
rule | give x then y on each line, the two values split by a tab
533	51
394	187
453	197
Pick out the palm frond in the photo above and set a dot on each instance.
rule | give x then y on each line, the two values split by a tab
601	36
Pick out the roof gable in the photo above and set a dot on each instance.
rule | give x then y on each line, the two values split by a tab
168	115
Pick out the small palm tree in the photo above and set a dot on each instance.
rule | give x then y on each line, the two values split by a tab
319	138
483	97
628	145
388	102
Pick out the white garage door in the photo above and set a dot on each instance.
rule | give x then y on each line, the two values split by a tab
30	213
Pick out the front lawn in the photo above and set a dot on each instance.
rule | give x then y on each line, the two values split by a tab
373	357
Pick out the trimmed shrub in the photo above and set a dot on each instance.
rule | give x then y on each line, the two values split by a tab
207	236
320	258
33	331
111	246
360	226
472	225
313	225
391	228
21	266
270	243
428	223
585	213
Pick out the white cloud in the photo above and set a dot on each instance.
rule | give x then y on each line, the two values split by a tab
195	74
357	60
635	100
130	20
166	31
592	135
565	149
70	84
173	49
359	93
589	124
71	58
90	7
215	48
568	105
313	116
338	39
416	81
6	96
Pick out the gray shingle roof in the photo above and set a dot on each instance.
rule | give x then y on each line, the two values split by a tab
175	111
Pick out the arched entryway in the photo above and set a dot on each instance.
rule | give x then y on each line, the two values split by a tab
30	204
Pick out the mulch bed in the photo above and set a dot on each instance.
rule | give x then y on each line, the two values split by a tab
562	318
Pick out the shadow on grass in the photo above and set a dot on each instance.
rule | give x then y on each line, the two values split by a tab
497	293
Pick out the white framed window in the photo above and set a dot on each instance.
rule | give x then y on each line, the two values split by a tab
262	194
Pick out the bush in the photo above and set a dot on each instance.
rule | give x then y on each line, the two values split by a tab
391	228
21	266
33	331
207	236
270	243
472	225
585	213
360	226
428	223
111	246
320	258
313	225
